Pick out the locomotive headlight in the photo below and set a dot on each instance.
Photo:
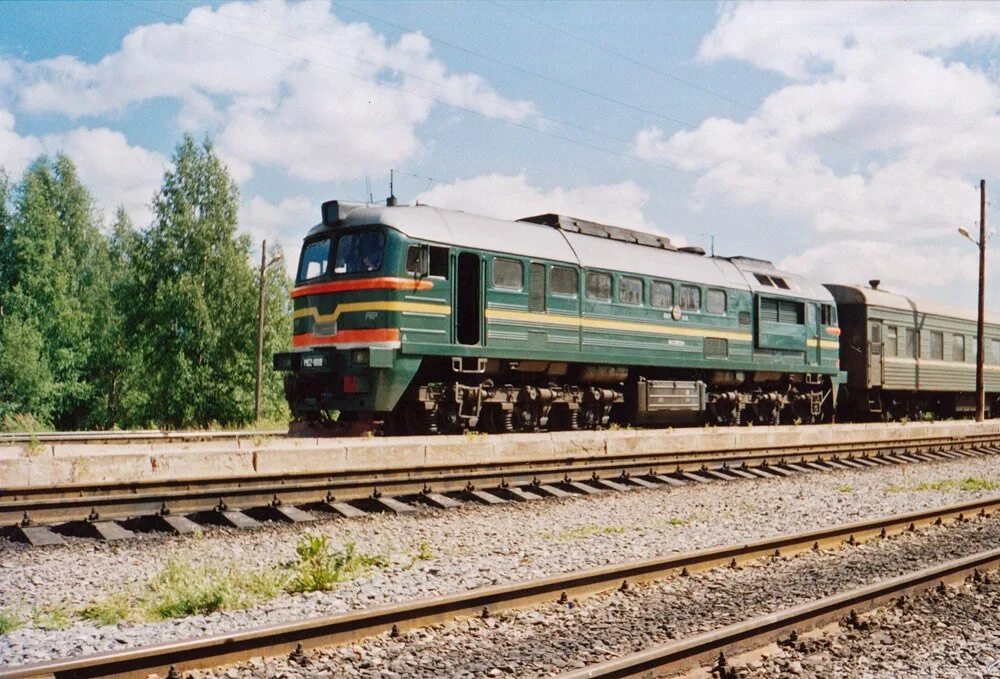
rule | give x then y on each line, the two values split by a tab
359	356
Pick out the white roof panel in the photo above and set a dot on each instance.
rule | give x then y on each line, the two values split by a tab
859	294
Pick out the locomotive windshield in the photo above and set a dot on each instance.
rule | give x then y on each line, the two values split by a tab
314	259
359	252
355	253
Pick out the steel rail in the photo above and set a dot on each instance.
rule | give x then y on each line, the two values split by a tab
274	640
117	501
134	436
678	656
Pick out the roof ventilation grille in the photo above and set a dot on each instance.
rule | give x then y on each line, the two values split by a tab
582	226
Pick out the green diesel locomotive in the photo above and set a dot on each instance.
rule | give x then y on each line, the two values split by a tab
414	319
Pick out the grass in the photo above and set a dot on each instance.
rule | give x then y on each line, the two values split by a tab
180	589
9	621
424	552
318	568
51	618
111	611
846	489
970	484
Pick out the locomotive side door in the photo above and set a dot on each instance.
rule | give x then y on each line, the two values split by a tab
468	298
874	353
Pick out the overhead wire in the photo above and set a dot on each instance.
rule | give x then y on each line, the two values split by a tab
520	69
443	102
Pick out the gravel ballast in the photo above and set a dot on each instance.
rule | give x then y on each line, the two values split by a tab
441	552
551	638
949	634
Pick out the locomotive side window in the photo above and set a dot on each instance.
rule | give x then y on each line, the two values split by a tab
564	281
891	344
661	295
630	290
690	298
715	301
937	346
413	259
508	274
359	252
828	315
599	286
439	261
315	258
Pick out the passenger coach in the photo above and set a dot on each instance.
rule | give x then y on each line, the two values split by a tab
905	357
427	320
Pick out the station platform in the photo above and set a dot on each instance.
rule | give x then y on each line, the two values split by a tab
61	464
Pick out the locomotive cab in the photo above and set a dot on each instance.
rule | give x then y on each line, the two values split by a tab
351	285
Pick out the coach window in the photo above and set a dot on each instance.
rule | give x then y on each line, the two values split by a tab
630	290
936	342
890	347
564	281
507	274
715	302
599	286
690	298
995	351
661	295
958	348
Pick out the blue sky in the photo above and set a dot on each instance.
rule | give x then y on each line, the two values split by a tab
842	141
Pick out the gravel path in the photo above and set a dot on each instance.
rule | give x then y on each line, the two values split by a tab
551	638
460	549
952	634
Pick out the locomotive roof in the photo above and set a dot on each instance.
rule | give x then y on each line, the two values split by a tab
859	294
568	239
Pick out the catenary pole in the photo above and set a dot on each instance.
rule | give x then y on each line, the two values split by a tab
260	331
981	319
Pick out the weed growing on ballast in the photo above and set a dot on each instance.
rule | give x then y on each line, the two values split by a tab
318	568
9	621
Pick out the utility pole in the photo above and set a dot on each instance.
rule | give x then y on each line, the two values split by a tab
264	266
981	321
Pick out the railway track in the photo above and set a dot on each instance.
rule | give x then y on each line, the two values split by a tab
135	436
674	658
293	638
42	515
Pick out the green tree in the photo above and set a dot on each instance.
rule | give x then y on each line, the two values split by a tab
53	271
196	311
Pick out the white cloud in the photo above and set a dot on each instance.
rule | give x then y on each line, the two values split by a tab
116	172
512	197
283	223
16	152
281	84
881	84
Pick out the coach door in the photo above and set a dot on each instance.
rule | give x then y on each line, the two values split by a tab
875	353
468	299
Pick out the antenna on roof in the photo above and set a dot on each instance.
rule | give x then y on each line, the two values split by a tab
368	190
391	200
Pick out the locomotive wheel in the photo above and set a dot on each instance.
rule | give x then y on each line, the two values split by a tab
496	420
